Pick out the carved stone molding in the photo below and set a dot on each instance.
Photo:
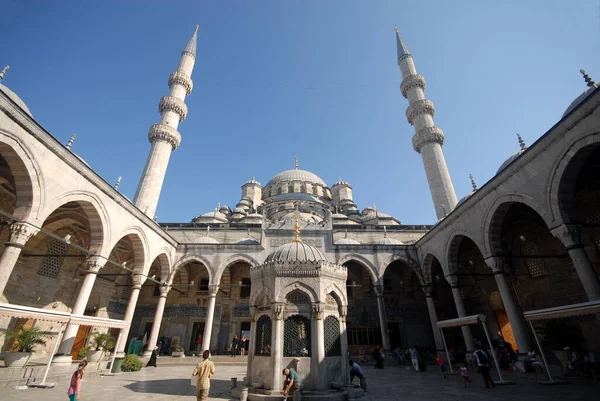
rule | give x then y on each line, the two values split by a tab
452	280
278	309
162	132
410	82
318	309
495	263
212	290
378	290
138	280
253	311
343	311
173	104
20	234
569	235
182	79
94	264
164	290
427	135
428	290
419	107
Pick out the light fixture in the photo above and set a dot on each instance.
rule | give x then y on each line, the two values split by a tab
68	238
153	276
522	238
437	277
124	264
471	262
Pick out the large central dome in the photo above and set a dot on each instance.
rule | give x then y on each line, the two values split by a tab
296	175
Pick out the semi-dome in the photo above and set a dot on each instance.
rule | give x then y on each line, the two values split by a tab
296	252
464	198
206	240
247	241
347	241
511	159
16	99
296	175
388	241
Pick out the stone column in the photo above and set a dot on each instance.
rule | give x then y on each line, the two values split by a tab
138	280
19	235
462	312
158	315
343	310
570	236
277	347
437	337
94	264
517	322
382	318
317	360
210	316
252	345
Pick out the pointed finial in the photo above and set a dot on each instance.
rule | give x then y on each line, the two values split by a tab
401	48
118	183
587	78
207	230
297	231
521	142
346	234
3	72
473	182
218	206
396	28
384	232
296	162
191	46
197	26
248	233
374	206
70	143
253	178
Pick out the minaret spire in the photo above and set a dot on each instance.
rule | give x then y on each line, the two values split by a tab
473	182
428	138
164	136
3	72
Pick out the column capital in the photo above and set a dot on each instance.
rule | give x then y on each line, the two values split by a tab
378	290
138	280
253	311
569	235
452	279
20	234
318	309
94	264
428	290
495	263
278	308
164	290
343	311
213	290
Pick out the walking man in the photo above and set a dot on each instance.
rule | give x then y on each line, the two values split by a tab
483	366
204	371
414	356
234	346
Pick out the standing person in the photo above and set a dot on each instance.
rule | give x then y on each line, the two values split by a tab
398	353
152	361
483	366
464	373
414	357
234	346
242	345
199	343
76	379
356	370
204	370
291	384
442	365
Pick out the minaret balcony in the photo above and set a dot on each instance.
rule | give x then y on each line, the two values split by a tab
411	82
176	105
163	132
182	79
426	136
419	107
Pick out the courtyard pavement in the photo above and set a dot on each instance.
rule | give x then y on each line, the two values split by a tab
392	383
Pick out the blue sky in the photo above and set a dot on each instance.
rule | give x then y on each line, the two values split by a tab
317	79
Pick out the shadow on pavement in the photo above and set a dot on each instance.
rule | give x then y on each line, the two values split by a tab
218	388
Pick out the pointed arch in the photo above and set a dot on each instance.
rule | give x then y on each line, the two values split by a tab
397	257
239	257
451	253
361	260
337	292
298	286
27	175
192	258
140	247
427	265
165	254
165	270
95	211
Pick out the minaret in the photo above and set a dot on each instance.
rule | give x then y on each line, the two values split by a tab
428	138
164	136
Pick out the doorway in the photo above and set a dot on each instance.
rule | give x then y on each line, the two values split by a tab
395	335
196	338
502	319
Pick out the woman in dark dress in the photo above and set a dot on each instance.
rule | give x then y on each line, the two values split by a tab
152	361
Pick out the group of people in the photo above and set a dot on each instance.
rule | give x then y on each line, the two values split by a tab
238	346
481	359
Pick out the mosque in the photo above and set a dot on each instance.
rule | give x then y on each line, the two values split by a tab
73	245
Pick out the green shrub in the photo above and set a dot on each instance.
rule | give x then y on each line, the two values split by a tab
82	353
27	339
131	363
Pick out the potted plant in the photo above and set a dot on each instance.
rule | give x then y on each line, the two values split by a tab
25	342
176	349
99	344
82	353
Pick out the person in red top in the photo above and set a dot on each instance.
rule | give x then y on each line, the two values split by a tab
442	365
76	379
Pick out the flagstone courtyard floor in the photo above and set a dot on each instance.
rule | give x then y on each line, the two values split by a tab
393	383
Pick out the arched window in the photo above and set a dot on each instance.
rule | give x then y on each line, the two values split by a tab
297	297
331	329
314	190
296	337
53	261
290	189
535	265
263	336
279	190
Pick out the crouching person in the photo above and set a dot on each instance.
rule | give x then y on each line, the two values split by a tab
291	384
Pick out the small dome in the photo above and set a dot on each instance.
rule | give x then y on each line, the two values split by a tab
510	160
206	240
240	210
296	175
580	99
347	241
216	216
464	198
339	216
248	241
16	99
253	181
296	252
82	160
388	241
253	218
341	182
